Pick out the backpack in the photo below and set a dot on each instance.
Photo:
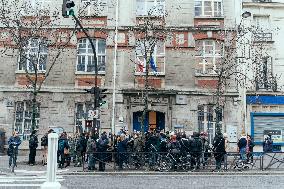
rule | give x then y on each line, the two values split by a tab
196	145
61	145
44	141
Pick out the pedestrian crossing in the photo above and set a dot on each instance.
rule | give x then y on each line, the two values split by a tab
24	179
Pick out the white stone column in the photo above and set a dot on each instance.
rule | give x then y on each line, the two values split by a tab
51	182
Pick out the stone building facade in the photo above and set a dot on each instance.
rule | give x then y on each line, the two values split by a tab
181	95
264	100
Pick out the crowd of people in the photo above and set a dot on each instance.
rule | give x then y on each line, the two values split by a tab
103	148
108	147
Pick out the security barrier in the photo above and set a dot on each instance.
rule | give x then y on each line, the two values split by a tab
164	162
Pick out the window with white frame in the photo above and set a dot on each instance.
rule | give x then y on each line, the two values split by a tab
34	55
85	56
208	8
94	7
206	120
158	57
23	118
150	7
208	56
81	116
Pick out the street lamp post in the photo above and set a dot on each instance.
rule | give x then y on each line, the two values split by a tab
240	34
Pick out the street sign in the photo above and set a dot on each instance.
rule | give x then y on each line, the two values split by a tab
93	114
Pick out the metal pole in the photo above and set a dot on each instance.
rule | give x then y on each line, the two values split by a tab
96	69
114	69
51	182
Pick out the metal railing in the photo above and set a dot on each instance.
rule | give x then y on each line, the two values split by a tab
165	162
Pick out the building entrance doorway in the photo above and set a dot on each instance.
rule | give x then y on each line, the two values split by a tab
154	121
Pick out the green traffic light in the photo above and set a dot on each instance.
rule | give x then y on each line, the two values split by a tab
71	12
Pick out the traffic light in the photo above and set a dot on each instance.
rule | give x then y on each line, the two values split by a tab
100	96
67	8
88	123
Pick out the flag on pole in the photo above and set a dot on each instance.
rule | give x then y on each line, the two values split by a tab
140	65
153	65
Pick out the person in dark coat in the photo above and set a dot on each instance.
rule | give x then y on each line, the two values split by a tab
14	140
219	149
250	149
62	145
102	146
91	150
33	144
122	150
195	147
81	147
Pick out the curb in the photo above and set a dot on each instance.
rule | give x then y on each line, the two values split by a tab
169	173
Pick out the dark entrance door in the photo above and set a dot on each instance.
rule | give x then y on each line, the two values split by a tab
154	120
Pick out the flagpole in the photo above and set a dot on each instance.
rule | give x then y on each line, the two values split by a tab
114	69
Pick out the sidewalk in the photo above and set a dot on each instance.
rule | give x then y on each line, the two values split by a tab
24	169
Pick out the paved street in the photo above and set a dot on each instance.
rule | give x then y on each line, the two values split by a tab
31	177
117	181
174	181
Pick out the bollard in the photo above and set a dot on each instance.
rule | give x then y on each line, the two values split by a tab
51	182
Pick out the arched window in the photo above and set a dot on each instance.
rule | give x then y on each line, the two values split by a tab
85	56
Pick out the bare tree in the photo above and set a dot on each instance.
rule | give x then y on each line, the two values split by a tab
150	34
246	61
37	39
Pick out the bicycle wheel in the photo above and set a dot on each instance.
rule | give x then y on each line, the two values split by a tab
165	164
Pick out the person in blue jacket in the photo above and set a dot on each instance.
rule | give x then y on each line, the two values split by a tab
14	140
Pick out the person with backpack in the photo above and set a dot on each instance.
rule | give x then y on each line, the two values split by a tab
195	147
33	144
62	147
